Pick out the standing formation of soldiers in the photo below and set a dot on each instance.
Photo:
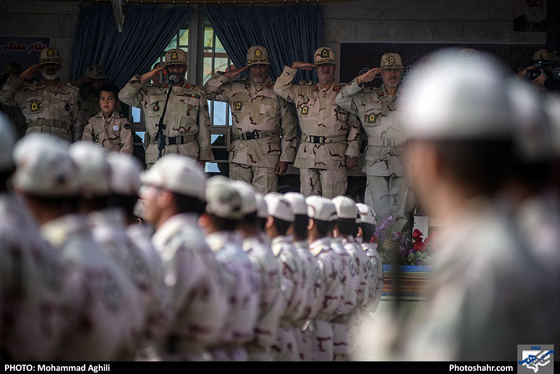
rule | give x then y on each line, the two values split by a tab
229	269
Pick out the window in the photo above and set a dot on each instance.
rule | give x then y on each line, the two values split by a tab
215	59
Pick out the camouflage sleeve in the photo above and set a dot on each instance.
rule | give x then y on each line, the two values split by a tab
218	88
288	123
8	93
348	99
284	87
130	93
354	137
77	117
127	140
88	134
204	131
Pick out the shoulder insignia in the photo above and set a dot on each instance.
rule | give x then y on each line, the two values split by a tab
307	83
370	89
336	88
316	88
380	93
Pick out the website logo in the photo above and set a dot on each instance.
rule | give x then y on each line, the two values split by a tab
533	359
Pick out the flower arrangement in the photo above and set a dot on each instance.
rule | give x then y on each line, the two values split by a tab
394	246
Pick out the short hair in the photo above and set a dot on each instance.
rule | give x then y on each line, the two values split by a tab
126	202
300	226
188	204
281	225
324	228
368	231
223	224
346	226
479	166
110	87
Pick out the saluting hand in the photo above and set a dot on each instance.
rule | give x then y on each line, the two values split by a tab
151	74
303	65
232	73
30	72
368	76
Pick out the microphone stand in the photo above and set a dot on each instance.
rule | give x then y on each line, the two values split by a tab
161	125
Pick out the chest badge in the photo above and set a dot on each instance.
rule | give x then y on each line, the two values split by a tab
305	110
371	118
115	128
155	108
34	106
237	105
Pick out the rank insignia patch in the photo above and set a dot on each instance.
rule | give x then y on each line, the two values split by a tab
237	105
34	106
305	110
371	118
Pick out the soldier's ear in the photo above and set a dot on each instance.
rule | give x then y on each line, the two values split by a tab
269	222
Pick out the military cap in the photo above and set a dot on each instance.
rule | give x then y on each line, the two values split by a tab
94	169
262	210
345	207
177	173
324	55
391	60
7	140
257	55
125	174
50	55
279	207
470	103
44	167
222	199
248	198
96	72
367	214
175	57
321	208
12	67
297	200
533	133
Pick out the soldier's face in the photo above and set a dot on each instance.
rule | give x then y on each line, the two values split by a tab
50	71
325	72
391	76
179	70
108	102
149	195
258	73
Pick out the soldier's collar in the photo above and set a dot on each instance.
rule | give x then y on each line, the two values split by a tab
334	87
383	91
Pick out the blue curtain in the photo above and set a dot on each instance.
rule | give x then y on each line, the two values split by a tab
289	33
147	30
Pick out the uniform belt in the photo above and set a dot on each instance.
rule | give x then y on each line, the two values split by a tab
179	139
377	142
250	135
320	139
50	122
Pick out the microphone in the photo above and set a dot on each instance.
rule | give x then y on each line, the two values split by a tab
173	79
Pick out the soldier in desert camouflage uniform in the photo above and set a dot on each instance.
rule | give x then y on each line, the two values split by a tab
13	111
322	212
99	292
108	127
174	197
187	122
388	187
257	246
32	292
50	105
330	142
90	86
263	132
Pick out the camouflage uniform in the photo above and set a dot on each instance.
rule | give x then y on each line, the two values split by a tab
187	122
113	132
55	110
90	100
388	189
329	133
264	126
12	111
330	273
286	348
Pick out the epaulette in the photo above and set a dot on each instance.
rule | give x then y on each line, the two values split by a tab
370	89
71	85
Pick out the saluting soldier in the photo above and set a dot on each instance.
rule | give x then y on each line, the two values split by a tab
186	126
388	187
50	105
330	136
264	128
